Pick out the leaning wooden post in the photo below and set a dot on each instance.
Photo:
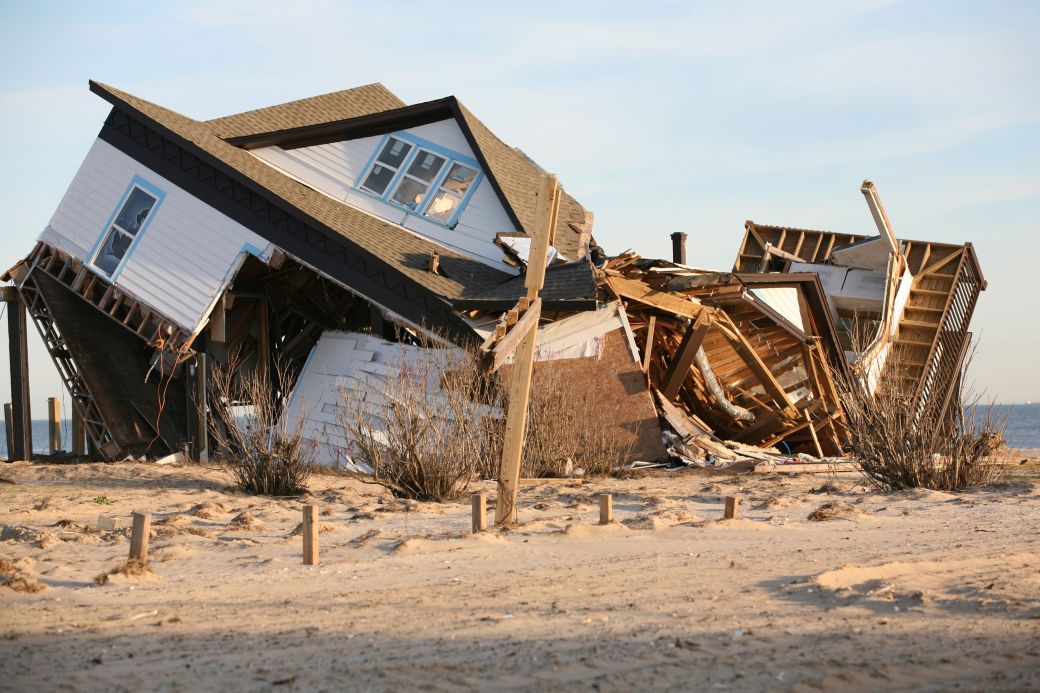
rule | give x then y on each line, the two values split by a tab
54	424
139	536
547	206
732	511
310	535
9	429
79	444
606	508
812	432
479	512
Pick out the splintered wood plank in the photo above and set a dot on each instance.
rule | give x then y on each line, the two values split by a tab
683	358
648	346
662	300
509	343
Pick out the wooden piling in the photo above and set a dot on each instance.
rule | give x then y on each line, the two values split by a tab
18	350
198	424
479	512
732	508
139	536
310	535
606	508
9	430
79	442
54	424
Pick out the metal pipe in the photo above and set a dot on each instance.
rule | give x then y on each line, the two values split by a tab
735	412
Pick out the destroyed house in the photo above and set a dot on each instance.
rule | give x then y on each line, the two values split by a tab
310	233
902	308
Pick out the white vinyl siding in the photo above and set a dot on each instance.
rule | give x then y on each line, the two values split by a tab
334	169
183	259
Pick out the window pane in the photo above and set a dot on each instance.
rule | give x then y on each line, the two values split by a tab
410	193
378	179
459	179
394	152
443	206
135	210
426	166
112	251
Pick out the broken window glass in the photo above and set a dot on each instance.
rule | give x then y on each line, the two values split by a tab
410	193
449	197
420	180
128	222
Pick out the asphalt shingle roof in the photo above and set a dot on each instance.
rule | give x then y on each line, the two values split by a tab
396	246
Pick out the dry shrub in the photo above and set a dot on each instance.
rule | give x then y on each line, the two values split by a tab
134	567
264	452
566	430
426	433
12	577
898	449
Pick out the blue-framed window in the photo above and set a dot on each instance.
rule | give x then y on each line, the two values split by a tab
135	211
421	177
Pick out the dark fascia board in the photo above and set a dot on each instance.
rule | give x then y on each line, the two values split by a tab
454	324
814	294
349	128
380	124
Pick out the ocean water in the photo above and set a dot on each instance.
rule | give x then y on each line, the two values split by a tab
1023	428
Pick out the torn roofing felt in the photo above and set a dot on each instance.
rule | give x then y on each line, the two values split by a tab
569	286
382	261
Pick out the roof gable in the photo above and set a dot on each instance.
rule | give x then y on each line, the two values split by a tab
513	176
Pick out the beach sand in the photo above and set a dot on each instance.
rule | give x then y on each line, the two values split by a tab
908	590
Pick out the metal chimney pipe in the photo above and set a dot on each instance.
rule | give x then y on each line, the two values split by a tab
679	248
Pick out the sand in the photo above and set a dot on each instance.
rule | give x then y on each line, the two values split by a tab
909	590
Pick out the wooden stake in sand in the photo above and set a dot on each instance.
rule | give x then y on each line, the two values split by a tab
139	536
606	508
310	535
54	424
479	512
732	508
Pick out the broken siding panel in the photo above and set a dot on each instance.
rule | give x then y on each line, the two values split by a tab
179	264
354	360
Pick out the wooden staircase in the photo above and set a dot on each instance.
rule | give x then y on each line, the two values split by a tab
931	337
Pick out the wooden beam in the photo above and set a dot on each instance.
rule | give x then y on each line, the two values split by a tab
508	344
679	368
662	300
648	345
732	511
547	205
198	423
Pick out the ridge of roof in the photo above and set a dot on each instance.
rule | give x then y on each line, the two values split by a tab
313	110
395	246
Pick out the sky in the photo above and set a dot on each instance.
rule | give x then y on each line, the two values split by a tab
657	116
